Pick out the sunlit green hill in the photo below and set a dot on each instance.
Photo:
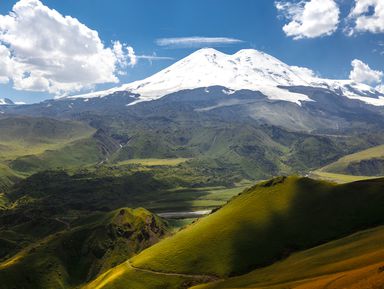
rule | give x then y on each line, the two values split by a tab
261	226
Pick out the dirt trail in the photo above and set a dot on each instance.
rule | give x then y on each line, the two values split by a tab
192	276
329	284
68	225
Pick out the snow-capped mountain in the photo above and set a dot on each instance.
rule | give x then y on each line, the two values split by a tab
6	101
247	69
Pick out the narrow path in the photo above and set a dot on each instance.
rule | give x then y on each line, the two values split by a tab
68	225
193	276
333	281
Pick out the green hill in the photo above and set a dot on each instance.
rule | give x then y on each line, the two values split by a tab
7	178
24	135
80	250
79	153
28	145
368	162
259	227
355	262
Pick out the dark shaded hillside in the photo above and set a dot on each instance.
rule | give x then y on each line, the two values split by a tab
80	250
266	223
57	191
353	262
259	227
368	162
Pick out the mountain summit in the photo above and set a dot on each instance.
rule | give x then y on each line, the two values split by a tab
247	69
6	101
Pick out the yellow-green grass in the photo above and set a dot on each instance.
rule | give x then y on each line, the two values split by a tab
266	222
27	136
80	250
32	139
263	224
375	152
341	165
351	262
124	276
154	162
3	201
193	199
259	227
7	178
80	153
338	178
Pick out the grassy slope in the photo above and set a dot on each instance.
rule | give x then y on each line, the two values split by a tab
262	225
351	262
28	145
366	162
82	250
72	155
125	277
267	222
155	162
24	136
338	178
7	178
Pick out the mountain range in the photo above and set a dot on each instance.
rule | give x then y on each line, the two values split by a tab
101	190
245	70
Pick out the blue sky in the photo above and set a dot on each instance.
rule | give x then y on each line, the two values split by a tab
257	23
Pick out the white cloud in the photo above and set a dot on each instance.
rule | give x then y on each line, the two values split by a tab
303	71
362	73
43	50
367	16
309	19
132	56
154	57
195	42
6	64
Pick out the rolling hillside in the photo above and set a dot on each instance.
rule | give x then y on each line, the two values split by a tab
368	162
243	134
29	145
353	262
262	225
79	250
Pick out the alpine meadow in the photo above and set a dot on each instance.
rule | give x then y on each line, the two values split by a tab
206	144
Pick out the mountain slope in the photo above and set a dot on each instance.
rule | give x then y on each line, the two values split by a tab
243	134
354	262
368	162
247	69
81	250
267	222
28	144
260	226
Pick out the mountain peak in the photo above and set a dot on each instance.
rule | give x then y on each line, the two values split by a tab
206	51
6	101
247	69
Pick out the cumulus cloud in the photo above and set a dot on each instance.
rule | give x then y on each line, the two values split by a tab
367	16
303	71
6	64
309	19
42	50
132	56
196	42
361	72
